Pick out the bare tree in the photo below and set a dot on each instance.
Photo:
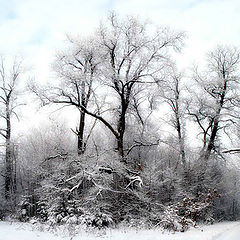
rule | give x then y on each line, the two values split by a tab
76	69
217	96
9	103
131	57
127	56
172	92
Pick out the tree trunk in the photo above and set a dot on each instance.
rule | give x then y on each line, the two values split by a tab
80	134
211	144
181	142
215	128
8	157
120	147
8	172
121	129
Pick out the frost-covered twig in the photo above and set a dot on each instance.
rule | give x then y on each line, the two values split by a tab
135	179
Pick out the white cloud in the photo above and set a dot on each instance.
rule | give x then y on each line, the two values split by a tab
39	27
36	26
207	22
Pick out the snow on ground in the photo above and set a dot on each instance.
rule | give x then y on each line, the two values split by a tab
24	231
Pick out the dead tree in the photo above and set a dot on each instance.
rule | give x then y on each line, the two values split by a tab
9	103
171	91
216	105
127	56
131	57
76	70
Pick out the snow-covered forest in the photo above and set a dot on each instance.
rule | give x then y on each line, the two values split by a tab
153	144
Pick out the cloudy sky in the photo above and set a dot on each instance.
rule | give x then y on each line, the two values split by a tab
36	28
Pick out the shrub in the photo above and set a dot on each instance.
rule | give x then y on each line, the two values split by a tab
98	220
188	212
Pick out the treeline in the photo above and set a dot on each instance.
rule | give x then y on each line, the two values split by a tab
130	159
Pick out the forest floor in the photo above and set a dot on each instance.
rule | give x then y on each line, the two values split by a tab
26	231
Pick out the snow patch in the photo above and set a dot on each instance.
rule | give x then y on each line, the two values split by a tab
26	231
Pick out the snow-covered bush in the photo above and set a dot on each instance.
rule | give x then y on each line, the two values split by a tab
27	208
136	223
98	220
172	221
65	212
41	212
188	212
194	209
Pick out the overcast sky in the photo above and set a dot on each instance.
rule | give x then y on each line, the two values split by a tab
36	28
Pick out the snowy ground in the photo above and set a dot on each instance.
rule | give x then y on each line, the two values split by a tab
219	231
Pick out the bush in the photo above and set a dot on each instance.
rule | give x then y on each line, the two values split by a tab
26	208
98	220
171	220
41	212
63	211
188	212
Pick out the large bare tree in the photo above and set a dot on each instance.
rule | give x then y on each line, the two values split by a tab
131	57
9	78
171	90
76	70
217	99
123	57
